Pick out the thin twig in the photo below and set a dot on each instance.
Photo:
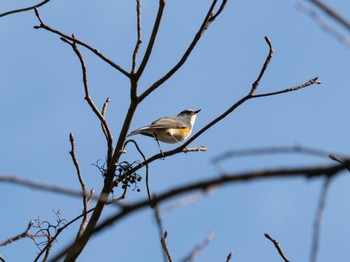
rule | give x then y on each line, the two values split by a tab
151	40
198	249
263	69
324	25
291	89
52	239
188	200
229	257
90	101
165	246
197	37
76	40
40	186
278	247
221	8
24	9
333	14
318	220
335	158
156	213
271	150
108	134
20	236
104	108
139	35
145	161
82	184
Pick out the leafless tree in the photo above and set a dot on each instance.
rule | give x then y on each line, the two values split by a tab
117	172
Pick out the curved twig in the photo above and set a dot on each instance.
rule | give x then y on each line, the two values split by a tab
24	9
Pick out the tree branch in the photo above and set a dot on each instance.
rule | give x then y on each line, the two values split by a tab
20	236
207	21
165	246
24	9
76	40
82	184
318	220
198	249
307	172
90	101
271	150
139	36
330	12
151	40
40	186
278	247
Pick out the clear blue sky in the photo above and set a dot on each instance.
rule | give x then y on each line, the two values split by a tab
42	101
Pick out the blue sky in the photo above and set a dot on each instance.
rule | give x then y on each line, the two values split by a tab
42	101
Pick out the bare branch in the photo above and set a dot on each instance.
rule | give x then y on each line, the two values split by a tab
139	36
100	115
82	184
156	213
331	13
106	132
229	257
318	220
53	238
24	9
40	186
165	246
324	26
76	40
307	172
146	164
278	247
263	69
271	150
291	89
18	237
152	39
198	249
207	21
335	158
221	8
188	200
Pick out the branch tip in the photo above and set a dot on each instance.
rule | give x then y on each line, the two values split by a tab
71	137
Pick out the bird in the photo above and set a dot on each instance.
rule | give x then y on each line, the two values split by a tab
170	129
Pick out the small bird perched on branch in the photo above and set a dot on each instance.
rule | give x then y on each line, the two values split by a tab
170	129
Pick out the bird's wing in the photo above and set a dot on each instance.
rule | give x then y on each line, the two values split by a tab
169	122
165	122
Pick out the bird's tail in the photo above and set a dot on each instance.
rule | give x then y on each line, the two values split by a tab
138	131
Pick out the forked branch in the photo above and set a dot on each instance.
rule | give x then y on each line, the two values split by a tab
76	40
209	18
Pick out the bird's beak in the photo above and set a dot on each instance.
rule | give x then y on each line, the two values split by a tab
196	112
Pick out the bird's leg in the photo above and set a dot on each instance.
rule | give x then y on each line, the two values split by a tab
177	141
156	138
